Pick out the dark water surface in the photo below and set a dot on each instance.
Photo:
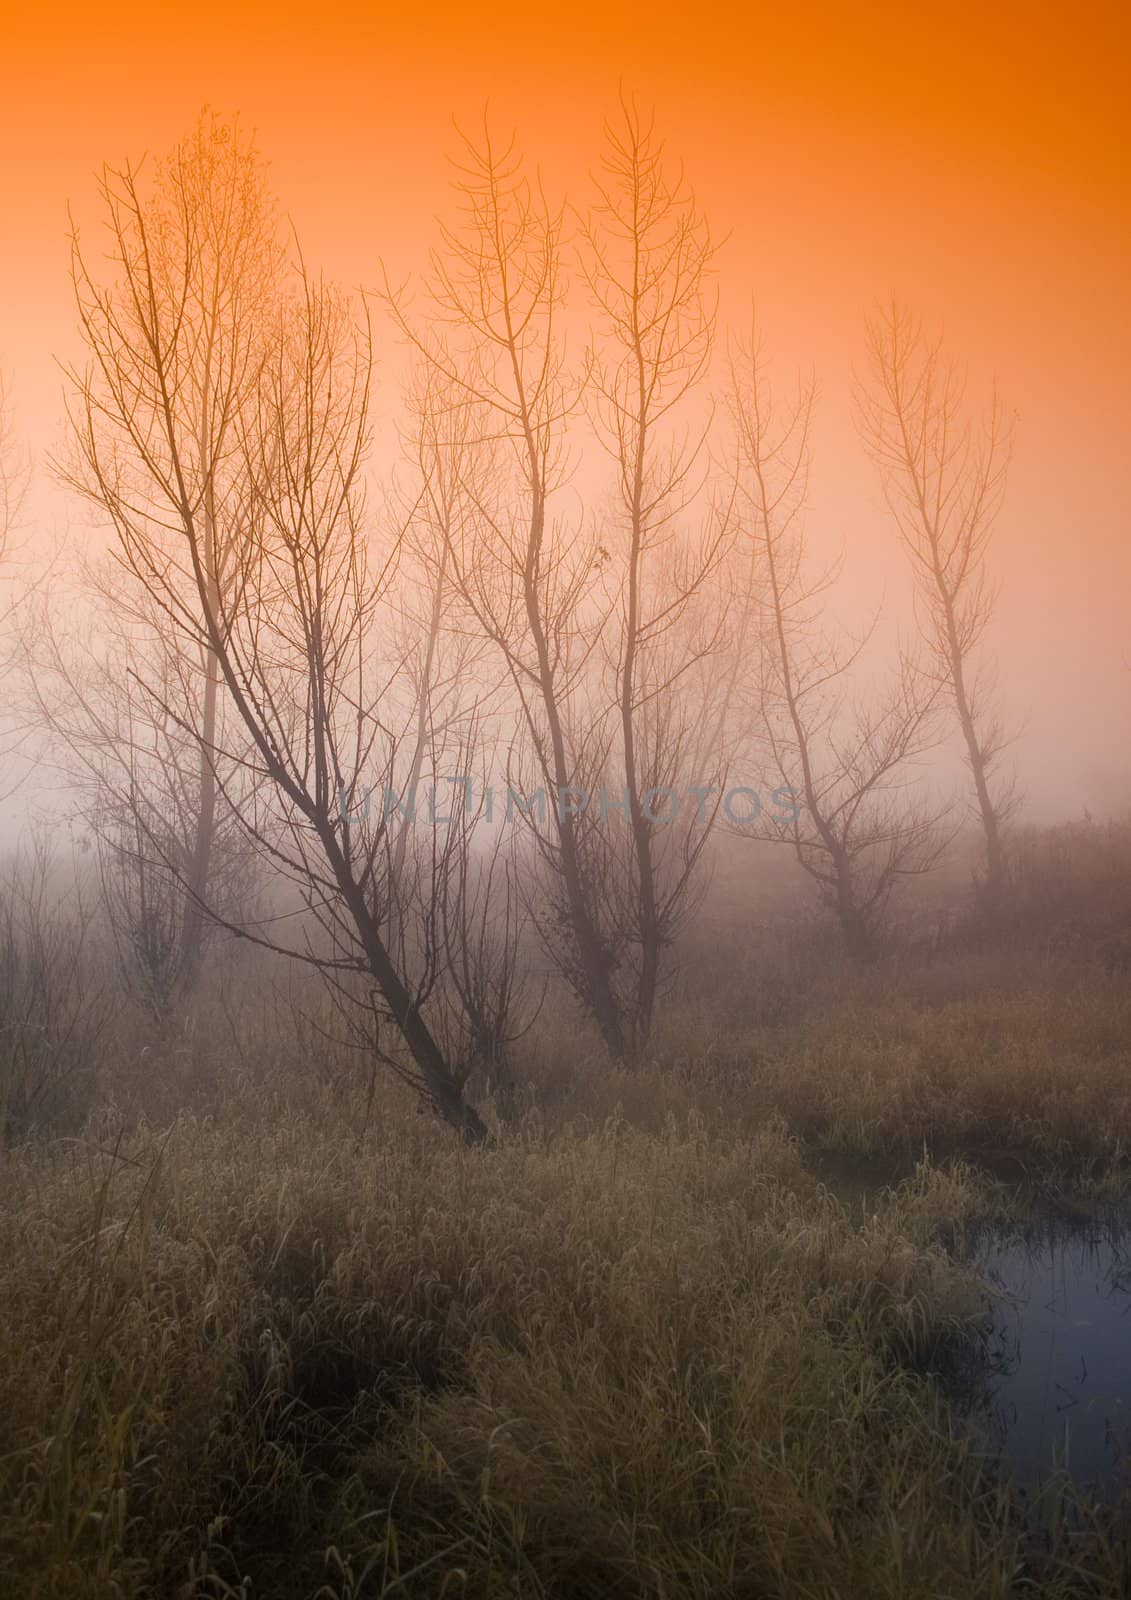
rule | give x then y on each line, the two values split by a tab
1053	1376
1060	1348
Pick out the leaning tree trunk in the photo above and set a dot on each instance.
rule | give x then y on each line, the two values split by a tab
441	1087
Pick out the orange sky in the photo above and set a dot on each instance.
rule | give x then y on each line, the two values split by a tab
975	163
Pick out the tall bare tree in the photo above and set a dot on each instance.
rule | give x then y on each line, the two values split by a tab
175	345
598	618
454	679
856	829
526	576
944	476
288	613
647	262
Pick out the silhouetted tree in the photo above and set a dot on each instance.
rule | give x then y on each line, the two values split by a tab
527	579
647	262
944	478
232	475
856	830
175	341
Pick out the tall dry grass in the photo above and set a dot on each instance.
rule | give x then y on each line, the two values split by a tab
266	1333
245	1357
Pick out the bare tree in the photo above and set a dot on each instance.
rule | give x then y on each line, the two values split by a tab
944	478
647	263
846	767
446	664
103	672
524	575
175	344
288	611
599	620
301	657
454	681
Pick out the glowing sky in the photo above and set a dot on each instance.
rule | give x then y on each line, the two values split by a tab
975	163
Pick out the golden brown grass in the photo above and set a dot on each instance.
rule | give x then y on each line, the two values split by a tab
250	1358
256	1344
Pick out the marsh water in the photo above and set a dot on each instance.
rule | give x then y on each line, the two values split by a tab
1053	1374
1059	1349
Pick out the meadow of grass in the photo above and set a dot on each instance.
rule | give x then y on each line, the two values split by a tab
262	1334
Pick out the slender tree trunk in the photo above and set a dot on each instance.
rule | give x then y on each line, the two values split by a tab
416	767
991	822
859	938
200	866
593	957
949	558
443	1090
641	828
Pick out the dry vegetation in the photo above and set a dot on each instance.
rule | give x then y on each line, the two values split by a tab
265	1334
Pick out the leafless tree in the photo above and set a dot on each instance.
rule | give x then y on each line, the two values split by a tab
597	618
175	346
524	574
288	613
454	681
944	478
846	767
103	670
647	261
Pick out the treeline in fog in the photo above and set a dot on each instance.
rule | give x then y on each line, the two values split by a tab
472	699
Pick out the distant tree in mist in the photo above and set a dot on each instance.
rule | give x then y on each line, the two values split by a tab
116	698
859	827
944	477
